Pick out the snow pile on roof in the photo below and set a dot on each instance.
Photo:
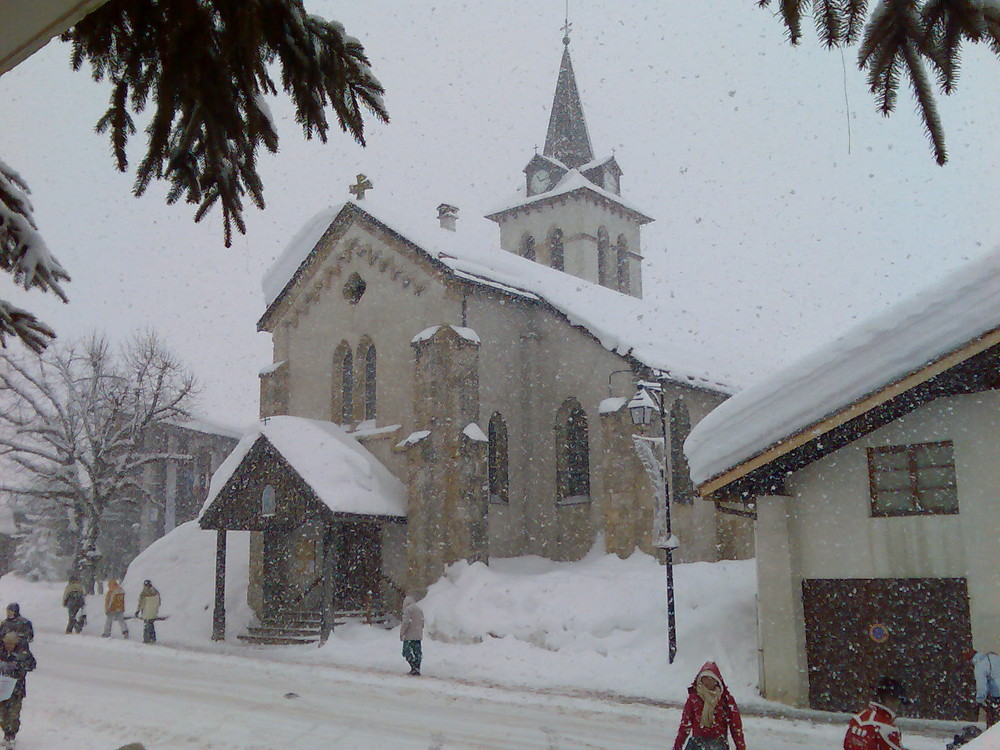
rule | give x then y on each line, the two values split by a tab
428	333
659	338
866	358
475	433
342	473
572	180
301	244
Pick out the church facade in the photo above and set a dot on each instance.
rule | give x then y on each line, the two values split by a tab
493	384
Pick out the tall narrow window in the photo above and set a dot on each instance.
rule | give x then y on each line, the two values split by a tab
343	384
556	250
603	248
528	247
572	454
499	477
268	501
624	281
370	382
680	473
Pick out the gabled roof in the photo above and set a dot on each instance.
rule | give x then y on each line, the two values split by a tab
342	474
622	324
571	182
894	352
567	138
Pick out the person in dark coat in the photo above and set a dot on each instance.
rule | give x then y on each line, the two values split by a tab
710	714
74	600
15	622
16	660
874	728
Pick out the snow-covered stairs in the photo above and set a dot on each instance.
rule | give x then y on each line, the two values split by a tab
296	627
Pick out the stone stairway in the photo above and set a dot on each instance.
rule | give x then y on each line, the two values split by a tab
290	628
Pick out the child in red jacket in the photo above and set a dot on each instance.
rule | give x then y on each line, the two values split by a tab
710	714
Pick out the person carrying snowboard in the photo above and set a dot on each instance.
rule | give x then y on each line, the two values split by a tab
148	610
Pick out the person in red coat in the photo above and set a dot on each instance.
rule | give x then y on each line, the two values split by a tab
875	727
710	714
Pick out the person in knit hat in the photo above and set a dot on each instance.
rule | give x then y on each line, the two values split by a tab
710	714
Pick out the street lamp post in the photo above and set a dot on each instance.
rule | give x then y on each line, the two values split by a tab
649	398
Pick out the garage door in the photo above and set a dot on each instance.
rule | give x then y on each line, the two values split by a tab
914	629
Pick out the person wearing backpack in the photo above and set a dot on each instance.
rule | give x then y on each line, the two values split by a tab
986	667
114	609
74	600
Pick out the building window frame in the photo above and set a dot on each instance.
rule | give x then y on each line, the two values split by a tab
572	455
915	479
268	501
371	382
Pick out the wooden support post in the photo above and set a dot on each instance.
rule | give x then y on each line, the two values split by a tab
219	613
330	554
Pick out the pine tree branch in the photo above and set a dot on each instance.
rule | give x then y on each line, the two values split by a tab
204	67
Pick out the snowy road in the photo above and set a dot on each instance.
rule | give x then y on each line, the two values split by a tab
90	694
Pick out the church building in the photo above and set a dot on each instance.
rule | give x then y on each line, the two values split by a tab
431	400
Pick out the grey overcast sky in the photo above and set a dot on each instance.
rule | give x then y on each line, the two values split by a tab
786	208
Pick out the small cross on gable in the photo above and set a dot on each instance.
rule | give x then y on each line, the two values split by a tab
358	189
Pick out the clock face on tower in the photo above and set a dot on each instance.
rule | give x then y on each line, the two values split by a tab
540	182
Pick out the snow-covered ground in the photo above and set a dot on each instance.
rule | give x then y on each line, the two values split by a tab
523	653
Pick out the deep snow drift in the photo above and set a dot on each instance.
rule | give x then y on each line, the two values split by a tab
597	625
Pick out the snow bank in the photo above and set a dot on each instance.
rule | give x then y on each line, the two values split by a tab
986	741
596	625
181	566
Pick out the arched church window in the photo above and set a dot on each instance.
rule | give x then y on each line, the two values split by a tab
680	473
497	460
624	282
268	501
603	249
342	389
556	250
528	247
367	356
572	454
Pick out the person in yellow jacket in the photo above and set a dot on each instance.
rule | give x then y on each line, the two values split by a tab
148	610
114	609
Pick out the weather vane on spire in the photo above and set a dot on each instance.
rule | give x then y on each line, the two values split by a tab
566	26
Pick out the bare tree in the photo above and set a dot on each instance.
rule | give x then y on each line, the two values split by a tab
74	423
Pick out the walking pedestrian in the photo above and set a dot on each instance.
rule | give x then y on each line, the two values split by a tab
710	714
114	609
411	631
874	728
74	600
148	610
15	622
16	660
986	667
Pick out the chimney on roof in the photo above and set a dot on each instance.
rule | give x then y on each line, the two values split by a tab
447	215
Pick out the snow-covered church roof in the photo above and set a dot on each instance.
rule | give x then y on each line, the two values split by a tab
623	324
344	476
903	340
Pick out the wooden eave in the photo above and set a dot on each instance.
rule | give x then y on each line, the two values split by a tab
592	194
973	368
344	219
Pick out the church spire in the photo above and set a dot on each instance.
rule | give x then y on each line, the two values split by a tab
567	138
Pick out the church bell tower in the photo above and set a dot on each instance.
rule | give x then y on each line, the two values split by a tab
570	214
